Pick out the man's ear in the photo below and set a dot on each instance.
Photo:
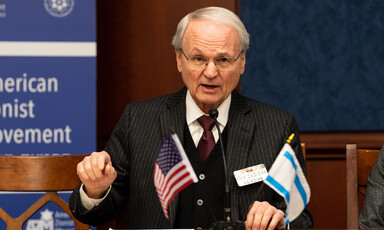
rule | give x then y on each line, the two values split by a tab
178	60
243	61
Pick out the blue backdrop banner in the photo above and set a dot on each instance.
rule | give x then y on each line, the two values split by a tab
322	60
47	90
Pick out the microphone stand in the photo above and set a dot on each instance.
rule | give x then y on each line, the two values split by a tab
226	224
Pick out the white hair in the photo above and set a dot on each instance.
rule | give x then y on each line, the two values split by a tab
215	14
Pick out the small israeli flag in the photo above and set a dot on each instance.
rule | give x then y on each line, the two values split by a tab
287	178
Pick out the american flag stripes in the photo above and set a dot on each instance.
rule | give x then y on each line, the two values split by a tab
173	171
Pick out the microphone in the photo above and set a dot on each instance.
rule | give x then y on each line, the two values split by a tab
227	224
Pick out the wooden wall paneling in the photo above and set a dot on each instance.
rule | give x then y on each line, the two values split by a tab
326	178
338	140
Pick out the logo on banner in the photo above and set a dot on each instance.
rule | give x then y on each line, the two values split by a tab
48	221
59	8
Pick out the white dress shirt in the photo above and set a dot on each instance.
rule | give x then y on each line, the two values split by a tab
193	112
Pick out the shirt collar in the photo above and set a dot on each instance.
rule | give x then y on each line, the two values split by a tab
193	112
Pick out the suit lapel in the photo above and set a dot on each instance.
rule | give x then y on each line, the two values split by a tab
172	120
240	132
241	129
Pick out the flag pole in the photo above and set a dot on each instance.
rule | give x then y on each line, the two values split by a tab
290	138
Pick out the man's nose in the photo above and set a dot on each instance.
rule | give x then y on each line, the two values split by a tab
210	70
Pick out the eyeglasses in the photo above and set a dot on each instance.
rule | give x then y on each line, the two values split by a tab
200	62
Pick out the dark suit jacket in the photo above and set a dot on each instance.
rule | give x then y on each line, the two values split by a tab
372	215
256	134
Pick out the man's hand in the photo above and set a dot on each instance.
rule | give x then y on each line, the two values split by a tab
262	215
96	173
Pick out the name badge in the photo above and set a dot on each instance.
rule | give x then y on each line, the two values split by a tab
251	175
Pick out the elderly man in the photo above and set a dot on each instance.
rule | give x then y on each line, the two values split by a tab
210	47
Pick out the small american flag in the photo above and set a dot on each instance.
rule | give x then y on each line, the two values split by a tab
173	171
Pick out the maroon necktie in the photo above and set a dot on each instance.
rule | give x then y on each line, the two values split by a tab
207	141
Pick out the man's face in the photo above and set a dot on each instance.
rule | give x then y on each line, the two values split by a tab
209	87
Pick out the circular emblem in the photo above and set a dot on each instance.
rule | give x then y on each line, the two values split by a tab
59	8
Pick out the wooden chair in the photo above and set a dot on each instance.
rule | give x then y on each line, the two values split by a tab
304	150
47	174
359	163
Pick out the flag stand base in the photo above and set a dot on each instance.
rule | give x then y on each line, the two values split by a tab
228	225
